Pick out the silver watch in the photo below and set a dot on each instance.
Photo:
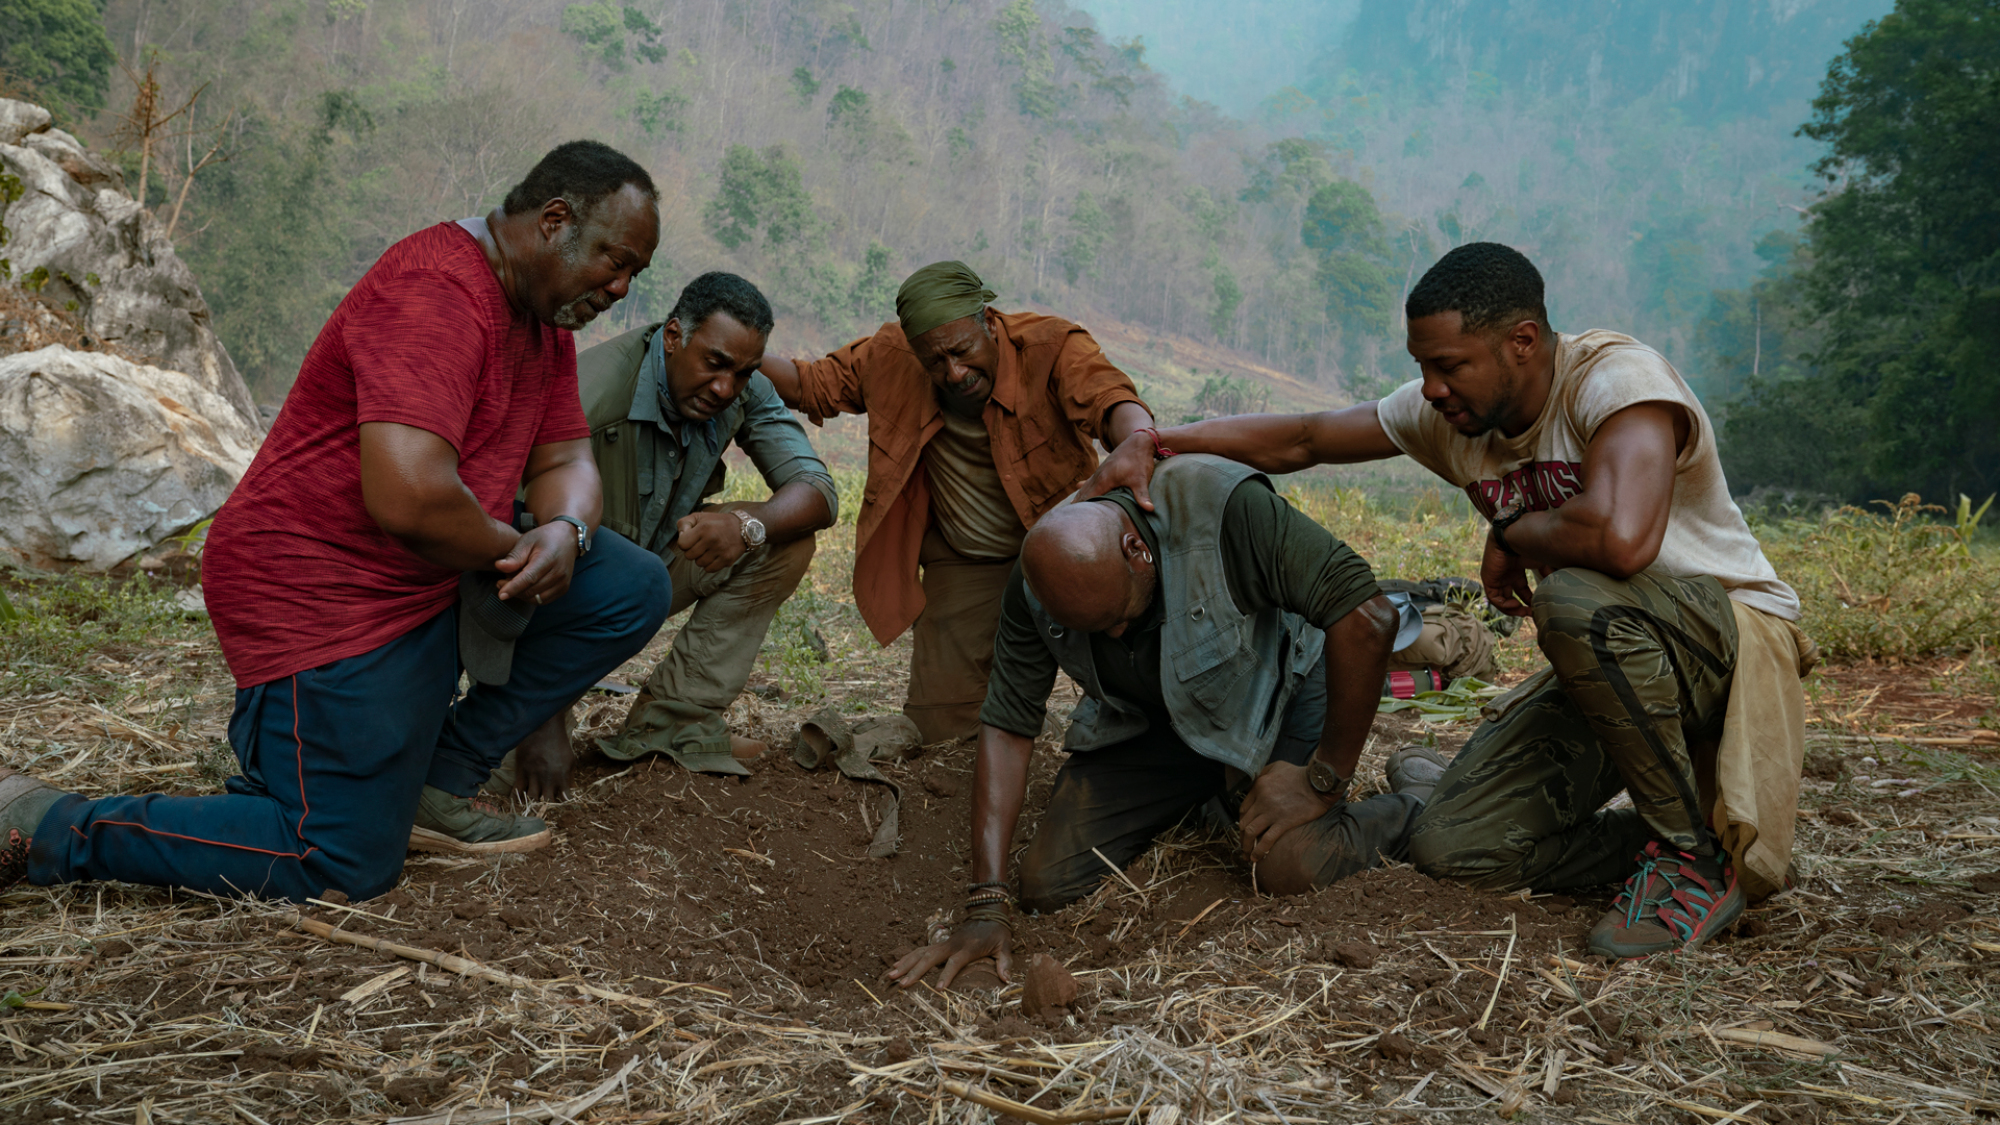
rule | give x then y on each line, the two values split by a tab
753	529
582	532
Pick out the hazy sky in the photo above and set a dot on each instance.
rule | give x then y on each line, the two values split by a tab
1232	54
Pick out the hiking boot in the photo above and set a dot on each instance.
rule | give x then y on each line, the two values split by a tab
473	826
1674	901
23	802
1415	770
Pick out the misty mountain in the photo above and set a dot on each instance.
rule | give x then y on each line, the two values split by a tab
1234	55
1705	58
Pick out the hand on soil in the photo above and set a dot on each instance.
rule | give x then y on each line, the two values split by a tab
542	762
1281	800
967	944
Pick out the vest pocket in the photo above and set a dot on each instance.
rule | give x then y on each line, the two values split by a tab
1210	668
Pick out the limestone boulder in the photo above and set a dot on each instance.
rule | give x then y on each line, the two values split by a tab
101	250
102	458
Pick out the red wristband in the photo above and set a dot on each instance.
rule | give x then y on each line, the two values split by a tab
1160	451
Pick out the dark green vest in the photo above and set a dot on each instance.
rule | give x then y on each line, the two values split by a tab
647	482
1227	676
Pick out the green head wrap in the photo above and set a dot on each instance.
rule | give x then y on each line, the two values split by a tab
939	294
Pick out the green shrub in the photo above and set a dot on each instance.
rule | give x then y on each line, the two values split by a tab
1889	583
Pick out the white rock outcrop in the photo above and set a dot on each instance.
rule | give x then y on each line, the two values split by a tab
101	458
102	250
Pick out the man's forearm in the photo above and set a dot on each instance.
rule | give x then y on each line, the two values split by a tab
795	510
999	783
1579	534
570	489
455	533
1287	443
1357	657
1122	420
784	377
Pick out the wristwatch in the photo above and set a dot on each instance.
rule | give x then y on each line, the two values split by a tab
582	532
1320	774
753	528
1505	518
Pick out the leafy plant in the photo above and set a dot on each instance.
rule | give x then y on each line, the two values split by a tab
1888	583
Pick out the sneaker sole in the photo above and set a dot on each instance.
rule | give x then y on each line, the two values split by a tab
425	840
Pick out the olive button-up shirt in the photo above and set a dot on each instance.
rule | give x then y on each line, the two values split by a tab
656	469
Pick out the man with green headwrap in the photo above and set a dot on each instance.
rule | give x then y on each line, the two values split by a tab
979	422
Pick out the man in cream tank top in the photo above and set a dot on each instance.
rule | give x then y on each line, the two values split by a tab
1673	657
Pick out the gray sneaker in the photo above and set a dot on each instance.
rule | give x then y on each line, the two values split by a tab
1415	770
472	826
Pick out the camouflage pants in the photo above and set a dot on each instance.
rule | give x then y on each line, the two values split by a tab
1641	669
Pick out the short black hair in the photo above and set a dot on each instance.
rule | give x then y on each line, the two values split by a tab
1489	285
716	291
581	172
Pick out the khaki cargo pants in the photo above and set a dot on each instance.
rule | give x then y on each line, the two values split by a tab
683	712
1641	671
952	643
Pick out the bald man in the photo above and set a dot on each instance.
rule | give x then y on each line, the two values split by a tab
1221	637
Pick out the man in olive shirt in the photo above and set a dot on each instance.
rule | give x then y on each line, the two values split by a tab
1221	637
664	401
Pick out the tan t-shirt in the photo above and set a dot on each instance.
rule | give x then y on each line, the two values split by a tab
968	502
1597	374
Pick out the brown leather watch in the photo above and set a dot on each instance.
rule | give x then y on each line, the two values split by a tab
1324	780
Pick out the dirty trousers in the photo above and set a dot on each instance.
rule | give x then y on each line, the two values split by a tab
686	716
1118	798
1642	670
952	642
333	758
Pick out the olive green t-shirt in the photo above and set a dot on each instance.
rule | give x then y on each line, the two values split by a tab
1273	555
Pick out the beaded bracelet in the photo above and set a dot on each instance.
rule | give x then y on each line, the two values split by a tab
990	911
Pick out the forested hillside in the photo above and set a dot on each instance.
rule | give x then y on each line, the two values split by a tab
1638	151
821	149
1861	357
1649	156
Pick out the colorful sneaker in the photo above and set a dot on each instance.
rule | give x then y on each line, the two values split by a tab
472	826
1674	901
1415	770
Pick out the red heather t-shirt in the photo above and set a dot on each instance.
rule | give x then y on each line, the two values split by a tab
295	572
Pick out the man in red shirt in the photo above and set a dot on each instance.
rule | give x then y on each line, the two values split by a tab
372	550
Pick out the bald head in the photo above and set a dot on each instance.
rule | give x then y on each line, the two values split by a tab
1089	567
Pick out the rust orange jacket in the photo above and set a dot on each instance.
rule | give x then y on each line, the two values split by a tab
1051	396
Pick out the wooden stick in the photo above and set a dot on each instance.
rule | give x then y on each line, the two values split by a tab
566	1111
1116	870
1200	916
448	962
1776	1040
1513	932
1029	1113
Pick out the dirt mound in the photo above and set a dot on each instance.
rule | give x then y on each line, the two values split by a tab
759	889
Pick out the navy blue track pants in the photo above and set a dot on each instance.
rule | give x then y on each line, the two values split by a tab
334	757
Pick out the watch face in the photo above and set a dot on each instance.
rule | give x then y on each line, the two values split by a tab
753	532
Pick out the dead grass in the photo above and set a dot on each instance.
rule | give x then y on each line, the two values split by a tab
1863	994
